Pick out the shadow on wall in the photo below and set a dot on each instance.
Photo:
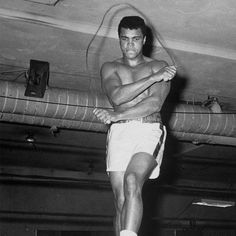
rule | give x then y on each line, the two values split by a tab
168	168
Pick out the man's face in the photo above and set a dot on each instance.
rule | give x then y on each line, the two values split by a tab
131	42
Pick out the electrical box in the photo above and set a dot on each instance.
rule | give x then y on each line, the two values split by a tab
37	81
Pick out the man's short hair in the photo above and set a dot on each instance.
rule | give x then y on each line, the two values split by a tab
132	22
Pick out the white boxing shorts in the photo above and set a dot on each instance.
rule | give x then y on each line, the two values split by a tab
126	139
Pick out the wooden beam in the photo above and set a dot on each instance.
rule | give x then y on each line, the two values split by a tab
52	174
88	28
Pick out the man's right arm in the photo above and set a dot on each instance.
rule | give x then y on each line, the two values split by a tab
119	93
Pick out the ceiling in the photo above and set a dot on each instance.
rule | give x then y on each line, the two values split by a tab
199	37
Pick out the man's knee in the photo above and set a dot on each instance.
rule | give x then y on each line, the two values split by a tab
132	185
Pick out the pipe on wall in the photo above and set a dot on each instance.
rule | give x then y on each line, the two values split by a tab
200	120
59	107
204	138
74	109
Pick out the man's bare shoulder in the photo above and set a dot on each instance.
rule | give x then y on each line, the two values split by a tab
107	65
157	65
110	65
109	69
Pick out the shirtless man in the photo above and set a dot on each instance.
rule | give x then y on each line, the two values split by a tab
136	87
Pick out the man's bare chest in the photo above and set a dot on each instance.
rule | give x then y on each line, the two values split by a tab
130	75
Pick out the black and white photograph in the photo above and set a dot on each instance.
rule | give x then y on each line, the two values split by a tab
117	118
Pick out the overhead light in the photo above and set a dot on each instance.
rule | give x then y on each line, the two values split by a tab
214	203
30	138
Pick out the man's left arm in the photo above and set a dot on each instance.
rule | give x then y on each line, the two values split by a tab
149	105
